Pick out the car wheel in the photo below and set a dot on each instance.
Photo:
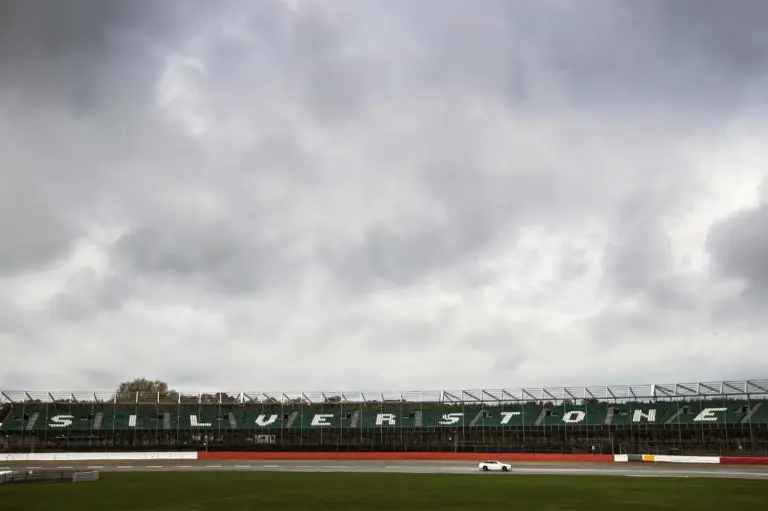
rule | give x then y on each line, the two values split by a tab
504	469
485	469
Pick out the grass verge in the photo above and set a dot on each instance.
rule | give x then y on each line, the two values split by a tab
218	491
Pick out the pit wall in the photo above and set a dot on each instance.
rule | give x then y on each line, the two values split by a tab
697	460
99	456
402	456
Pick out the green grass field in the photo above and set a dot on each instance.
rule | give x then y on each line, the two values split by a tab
243	491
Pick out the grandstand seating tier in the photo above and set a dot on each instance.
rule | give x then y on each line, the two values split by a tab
35	417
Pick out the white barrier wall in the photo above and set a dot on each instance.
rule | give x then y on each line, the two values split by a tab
148	456
660	458
99	456
686	459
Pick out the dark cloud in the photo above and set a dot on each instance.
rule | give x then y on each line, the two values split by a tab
238	257
75	55
738	245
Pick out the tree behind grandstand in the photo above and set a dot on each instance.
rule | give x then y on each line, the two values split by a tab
144	386
158	389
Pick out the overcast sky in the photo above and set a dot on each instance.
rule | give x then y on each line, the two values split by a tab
382	194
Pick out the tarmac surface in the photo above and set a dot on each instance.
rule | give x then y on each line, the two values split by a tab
409	467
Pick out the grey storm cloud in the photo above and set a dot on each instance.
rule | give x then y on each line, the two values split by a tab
739	248
341	195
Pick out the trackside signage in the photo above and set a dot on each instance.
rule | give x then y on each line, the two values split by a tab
382	420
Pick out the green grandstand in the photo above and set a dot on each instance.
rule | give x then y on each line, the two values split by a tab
40	417
733	414
700	403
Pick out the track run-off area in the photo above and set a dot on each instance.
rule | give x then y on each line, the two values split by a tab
395	466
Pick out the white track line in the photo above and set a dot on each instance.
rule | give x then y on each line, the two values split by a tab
426	468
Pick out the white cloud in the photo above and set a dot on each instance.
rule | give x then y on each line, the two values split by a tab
295	196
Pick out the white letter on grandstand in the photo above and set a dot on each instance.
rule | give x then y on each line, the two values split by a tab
385	417
195	424
708	414
508	416
261	422
650	416
451	418
61	421
131	421
319	419
574	416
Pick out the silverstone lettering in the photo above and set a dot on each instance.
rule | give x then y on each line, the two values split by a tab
708	414
451	418
262	421
197	424
574	417
648	415
321	419
507	416
389	418
61	421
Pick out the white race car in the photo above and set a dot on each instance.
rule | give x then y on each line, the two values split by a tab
486	466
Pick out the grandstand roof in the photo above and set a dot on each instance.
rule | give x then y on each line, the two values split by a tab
613	393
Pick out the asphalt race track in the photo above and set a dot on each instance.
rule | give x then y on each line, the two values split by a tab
410	467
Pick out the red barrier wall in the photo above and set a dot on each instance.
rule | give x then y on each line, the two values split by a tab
455	456
742	460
